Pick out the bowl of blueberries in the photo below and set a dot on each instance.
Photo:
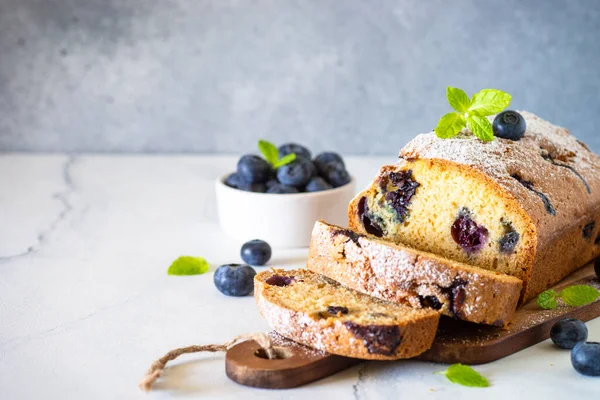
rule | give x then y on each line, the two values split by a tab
278	196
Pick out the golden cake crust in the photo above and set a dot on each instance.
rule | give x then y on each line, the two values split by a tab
380	338
566	227
401	274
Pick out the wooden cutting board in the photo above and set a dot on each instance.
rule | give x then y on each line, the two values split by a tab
456	342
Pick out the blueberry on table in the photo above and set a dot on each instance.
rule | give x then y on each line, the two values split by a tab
234	279
327	157
252	187
279	188
567	332
317	184
295	148
509	125
297	173
585	358
253	169
335	174
233	180
256	252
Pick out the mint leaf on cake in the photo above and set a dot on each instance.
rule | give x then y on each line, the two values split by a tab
471	113
188	265
465	375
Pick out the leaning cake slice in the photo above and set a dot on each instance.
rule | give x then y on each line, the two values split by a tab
422	280
318	312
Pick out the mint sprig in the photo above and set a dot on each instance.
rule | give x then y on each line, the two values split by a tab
271	154
465	375
471	112
573	296
188	265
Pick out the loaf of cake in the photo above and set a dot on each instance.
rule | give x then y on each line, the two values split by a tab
529	208
320	313
404	275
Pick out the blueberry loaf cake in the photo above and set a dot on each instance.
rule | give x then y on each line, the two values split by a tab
421	280
320	313
529	208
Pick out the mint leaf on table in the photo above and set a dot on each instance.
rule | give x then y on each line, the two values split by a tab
579	295
471	113
481	127
449	125
271	154
547	300
188	265
458	99
465	375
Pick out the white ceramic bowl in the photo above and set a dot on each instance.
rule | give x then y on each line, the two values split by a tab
283	220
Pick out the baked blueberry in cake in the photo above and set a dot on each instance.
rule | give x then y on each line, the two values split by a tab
526	206
318	312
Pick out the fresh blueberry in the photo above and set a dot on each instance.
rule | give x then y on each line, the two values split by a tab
279	188
312	168
233	180
252	187
256	252
597	267
567	332
335	174
234	279
271	182
297	149
297	173
253	169
327	157
317	184
585	358
509	125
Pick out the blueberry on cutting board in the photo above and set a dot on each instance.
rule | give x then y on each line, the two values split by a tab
567	332
256	252
234	279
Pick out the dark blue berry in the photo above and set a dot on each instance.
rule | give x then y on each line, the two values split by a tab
271	182
253	169
567	332
233	180
509	125
317	184
234	279
585	358
298	150
597	267
252	187
509	240
297	173
467	234
336	174
279	188
403	188
327	157
256	252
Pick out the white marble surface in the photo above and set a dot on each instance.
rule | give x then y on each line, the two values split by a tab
86	305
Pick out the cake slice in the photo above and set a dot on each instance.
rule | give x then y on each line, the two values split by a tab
529	208
320	313
404	275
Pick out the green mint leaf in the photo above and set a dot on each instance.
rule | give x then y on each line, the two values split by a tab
481	127
579	295
547	300
288	158
458	99
449	125
465	375
269	151
489	102
187	265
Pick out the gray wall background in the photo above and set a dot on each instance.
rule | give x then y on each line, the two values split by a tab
215	75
